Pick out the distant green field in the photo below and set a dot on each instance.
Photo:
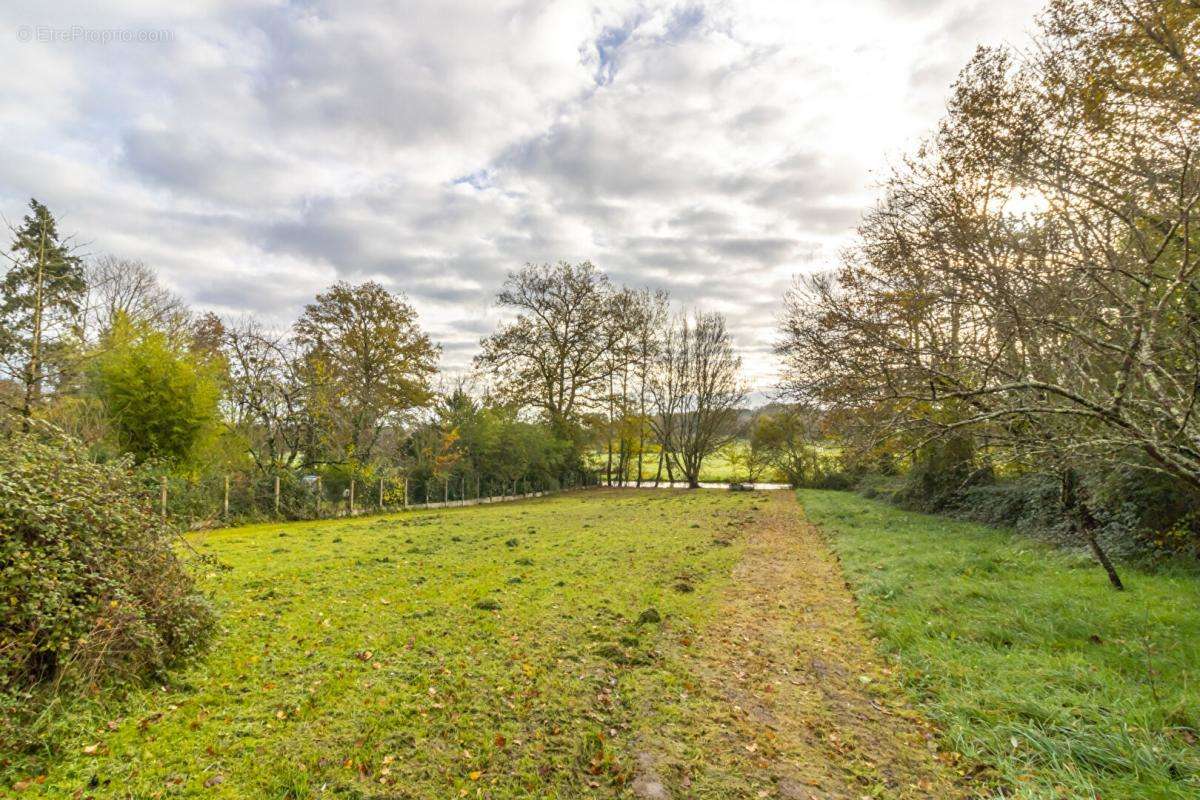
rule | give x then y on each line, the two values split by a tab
1025	656
727	465
483	651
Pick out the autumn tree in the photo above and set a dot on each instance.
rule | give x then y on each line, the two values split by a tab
786	438
1028	281
552	357
367	365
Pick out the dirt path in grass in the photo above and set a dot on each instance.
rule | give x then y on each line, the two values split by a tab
805	708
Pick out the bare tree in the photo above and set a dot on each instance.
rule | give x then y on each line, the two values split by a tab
265	394
697	390
123	286
649	316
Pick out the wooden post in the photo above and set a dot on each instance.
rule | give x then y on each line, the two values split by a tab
352	497
277	495
162	499
318	496
446	491
462	488
381	494
406	492
226	505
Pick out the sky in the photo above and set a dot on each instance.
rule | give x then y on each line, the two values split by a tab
256	152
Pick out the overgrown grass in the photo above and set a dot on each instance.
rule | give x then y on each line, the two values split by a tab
490	651
1032	664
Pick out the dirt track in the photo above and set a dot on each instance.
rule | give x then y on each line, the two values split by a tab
808	710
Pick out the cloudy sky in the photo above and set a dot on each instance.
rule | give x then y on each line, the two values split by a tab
255	152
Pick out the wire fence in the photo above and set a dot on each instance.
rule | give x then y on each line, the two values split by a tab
241	497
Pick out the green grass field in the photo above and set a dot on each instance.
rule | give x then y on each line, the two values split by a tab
1025	656
491	651
497	651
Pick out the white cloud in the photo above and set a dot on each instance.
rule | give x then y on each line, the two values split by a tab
267	148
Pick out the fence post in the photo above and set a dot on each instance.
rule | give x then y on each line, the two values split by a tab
406	491
446	491
352	497
162	499
381	494
462	490
226	504
277	495
318	497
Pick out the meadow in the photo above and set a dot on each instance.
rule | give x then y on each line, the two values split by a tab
1024	656
651	644
512	650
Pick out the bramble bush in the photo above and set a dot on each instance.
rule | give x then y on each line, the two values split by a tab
93	590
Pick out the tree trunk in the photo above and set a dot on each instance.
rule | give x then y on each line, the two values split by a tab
1085	524
608	468
1088	525
33	373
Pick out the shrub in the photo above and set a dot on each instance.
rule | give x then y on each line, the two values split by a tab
92	588
1030	503
941	471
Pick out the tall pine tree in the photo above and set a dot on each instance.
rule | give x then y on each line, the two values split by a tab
40	299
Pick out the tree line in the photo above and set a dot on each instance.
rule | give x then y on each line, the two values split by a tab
1024	297
613	368
585	378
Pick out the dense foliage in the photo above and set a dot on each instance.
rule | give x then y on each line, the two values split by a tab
160	398
92	586
1023	297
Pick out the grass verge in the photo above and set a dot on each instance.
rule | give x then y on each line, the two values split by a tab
1028	660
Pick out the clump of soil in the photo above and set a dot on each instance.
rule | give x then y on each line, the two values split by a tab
649	617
